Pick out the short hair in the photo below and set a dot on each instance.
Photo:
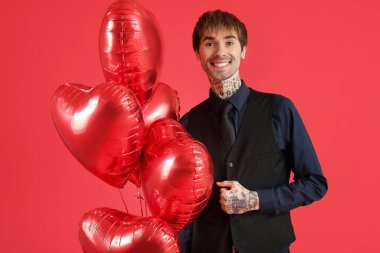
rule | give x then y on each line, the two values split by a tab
217	19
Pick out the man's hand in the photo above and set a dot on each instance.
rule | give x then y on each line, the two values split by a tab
237	199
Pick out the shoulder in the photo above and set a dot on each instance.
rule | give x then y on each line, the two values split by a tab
278	102
201	107
282	106
284	111
281	102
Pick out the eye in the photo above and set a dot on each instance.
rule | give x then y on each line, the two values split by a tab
229	43
209	44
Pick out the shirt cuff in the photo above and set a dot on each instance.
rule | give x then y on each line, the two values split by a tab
266	201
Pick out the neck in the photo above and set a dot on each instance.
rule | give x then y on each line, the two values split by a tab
226	88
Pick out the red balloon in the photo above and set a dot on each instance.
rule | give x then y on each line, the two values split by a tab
130	48
177	174
164	103
103	128
108	230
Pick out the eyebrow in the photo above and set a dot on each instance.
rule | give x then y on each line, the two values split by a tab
213	38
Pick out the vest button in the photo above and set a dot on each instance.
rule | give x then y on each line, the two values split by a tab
230	165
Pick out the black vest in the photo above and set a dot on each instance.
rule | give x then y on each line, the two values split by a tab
255	162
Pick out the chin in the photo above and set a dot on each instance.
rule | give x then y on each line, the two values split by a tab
218	77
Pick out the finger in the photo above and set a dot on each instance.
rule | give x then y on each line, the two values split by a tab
223	191
221	201
225	184
224	194
224	208
222	204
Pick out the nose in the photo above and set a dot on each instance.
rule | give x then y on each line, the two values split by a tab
220	50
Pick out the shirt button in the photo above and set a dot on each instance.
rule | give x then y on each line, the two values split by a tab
230	165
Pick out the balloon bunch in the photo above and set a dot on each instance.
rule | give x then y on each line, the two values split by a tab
126	129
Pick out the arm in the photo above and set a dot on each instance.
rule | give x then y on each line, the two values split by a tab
293	140
309	183
185	237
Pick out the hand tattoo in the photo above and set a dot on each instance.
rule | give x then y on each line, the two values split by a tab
238	199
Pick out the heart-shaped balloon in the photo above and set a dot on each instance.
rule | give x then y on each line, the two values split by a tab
103	128
164	103
130	48
177	173
108	230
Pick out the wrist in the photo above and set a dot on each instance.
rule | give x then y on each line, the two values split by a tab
254	202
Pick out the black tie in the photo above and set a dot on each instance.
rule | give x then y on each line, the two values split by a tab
227	129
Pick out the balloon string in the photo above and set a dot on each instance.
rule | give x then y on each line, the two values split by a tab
146	208
123	201
140	199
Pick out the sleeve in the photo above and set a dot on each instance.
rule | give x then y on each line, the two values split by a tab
185	237
293	140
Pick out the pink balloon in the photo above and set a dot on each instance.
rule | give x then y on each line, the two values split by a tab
177	174
164	103
108	230
130	48
102	127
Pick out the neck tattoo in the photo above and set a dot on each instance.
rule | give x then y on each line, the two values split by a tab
226	88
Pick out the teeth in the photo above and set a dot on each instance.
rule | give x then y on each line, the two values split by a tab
220	64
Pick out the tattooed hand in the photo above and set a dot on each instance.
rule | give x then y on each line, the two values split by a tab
237	199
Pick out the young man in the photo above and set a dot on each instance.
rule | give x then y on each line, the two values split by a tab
255	139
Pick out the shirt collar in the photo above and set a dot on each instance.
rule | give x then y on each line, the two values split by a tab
237	100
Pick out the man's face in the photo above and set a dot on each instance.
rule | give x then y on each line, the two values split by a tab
220	53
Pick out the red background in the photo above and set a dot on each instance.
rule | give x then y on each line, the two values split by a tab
324	55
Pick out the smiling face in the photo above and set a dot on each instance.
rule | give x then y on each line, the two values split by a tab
220	53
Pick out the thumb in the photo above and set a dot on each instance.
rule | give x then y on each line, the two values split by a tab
228	184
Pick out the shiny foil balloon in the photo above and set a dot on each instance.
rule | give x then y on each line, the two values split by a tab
162	131
164	103
177	174
130	48
102	127
107	230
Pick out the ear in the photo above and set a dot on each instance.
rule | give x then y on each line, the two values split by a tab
243	52
197	55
